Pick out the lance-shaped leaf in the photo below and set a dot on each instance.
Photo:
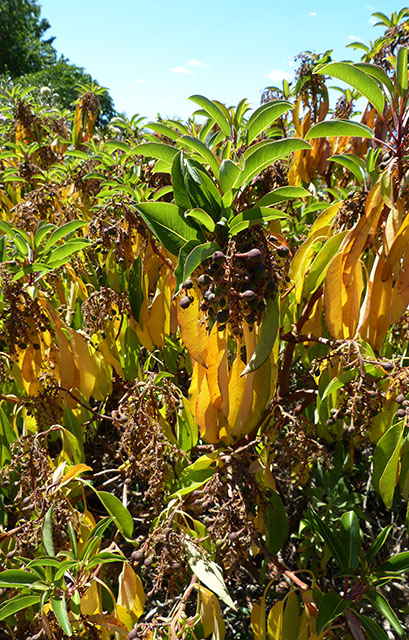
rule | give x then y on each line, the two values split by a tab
265	155
213	111
228	174
12	606
48	532
332	605
199	254
180	193
168	224
276	523
202	217
59	607
386	462
378	73
339	128
396	564
350	537
402	70
119	514
358	79
351	162
378	544
163	129
63	232
203	151
264	116
380	603
371	628
17	578
254	216
330	539
208	572
135	288
268	334
158	150
281	194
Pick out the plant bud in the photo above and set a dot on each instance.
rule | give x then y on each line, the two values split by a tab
401	413
400	398
137	556
203	280
188	284
148	561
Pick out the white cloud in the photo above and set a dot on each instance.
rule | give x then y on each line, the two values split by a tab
180	69
355	39
197	63
372	20
312	14
370	7
277	75
139	80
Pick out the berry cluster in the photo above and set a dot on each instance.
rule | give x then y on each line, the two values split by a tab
236	284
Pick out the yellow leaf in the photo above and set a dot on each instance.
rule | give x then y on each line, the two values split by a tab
206	414
193	329
400	293
156	322
217	370
210	614
86	363
109	622
90	602
333	296
131	596
74	472
291	617
275	621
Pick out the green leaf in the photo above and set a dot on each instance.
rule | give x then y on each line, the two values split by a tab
395	564
43	229
383	606
195	475
251	217
62	232
349	161
358	45
332	605
318	268
213	111
378	544
168	224
208	572
203	151
358	79
105	557
339	382
372	628
48	532
276	523
202	217
180	193
199	254
402	70
163	129
135	288
350	537
228	174
158	150
281	194
378	73
17	578
329	538
12	606
183	254
265	155
59	606
264	116
119	514
386	463
268	334
59	256
336	128
95	535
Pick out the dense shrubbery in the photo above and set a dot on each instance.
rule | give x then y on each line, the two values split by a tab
204	363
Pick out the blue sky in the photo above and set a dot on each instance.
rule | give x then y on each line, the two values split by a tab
153	55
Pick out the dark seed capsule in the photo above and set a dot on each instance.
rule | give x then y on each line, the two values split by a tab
222	302
388	366
401	413
283	251
184	302
261	305
148	561
222	315
188	284
400	398
218	257
209	295
203	280
253	254
250	319
330	421
234	535
137	556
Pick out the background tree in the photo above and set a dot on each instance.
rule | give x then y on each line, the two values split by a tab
22	46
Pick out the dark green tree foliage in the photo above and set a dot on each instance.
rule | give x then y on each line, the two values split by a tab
22	46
